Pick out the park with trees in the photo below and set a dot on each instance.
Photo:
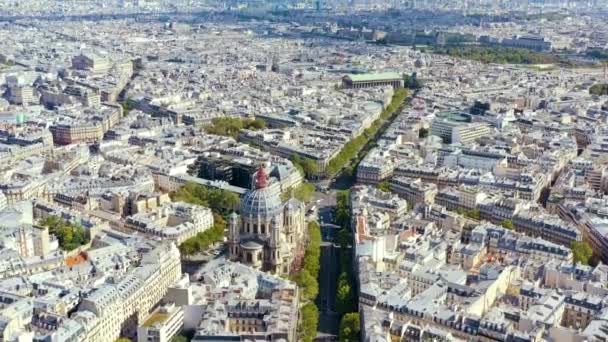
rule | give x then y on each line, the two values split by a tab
500	55
231	126
219	200
69	235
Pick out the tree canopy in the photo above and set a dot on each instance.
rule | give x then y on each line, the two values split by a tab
307	277
507	224
384	186
307	280
255	124
345	292
309	320
217	199
423	133
70	236
201	241
581	252
350	150
231	126
306	165
126	107
599	89
309	286
500	55
345	296
343	209
303	192
350	327
220	201
474	214
179	338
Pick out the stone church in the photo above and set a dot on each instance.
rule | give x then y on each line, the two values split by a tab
269	231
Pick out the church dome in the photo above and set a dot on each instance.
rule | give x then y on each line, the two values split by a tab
263	200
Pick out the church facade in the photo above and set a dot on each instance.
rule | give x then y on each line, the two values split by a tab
269	231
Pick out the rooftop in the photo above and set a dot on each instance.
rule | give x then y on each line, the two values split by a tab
156	317
382	76
454	116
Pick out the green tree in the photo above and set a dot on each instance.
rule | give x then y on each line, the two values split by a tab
303	192
423	133
507	224
223	200
227	126
345	238
217	199
306	165
343	218
309	286
384	186
311	261
473	213
599	89
501	55
310	167
351	149
69	235
231	126
345	299
350	327
180	338
201	241
309	320
126	107
308	283
307	278
581	252
123	339
255	125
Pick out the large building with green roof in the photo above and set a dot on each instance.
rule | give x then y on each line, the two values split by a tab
356	81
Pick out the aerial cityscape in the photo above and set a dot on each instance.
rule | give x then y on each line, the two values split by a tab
303	170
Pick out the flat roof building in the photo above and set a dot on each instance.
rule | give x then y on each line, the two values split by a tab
162	325
455	127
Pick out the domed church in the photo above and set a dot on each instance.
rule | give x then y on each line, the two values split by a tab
269	232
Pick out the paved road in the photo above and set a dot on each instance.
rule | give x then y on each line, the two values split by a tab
325	204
